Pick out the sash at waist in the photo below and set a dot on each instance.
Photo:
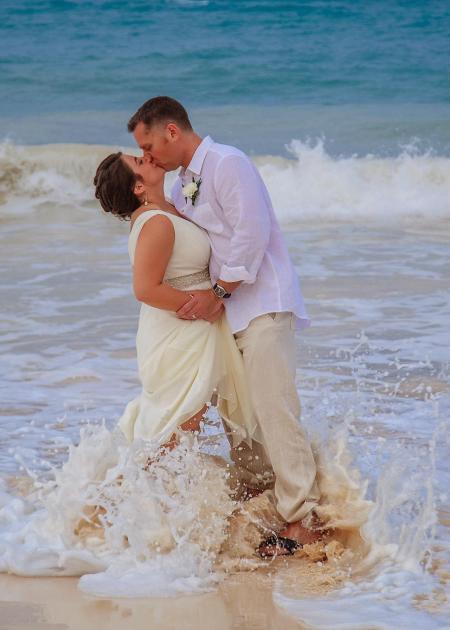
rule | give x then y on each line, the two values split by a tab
184	282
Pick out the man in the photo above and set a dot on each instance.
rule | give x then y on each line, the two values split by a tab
219	189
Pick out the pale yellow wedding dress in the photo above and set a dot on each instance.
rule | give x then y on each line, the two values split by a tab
181	363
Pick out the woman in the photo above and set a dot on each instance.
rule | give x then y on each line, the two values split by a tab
181	363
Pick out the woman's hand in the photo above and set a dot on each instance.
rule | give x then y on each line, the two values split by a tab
204	304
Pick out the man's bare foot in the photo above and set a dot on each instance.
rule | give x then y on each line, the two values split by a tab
289	539
301	534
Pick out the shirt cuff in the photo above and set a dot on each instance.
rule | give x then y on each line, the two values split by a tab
236	274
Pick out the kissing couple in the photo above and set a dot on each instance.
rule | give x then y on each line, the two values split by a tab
220	305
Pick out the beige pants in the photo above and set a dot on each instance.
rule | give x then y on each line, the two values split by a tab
284	460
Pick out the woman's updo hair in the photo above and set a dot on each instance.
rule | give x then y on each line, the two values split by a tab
114	184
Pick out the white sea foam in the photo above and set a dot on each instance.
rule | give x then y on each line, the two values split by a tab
311	185
380	603
315	186
132	532
141	532
397	585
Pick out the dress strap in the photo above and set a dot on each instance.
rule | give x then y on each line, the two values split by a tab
147	214
137	227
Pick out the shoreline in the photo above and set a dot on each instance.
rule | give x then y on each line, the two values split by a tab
241	602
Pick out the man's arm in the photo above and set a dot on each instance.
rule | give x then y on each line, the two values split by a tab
245	206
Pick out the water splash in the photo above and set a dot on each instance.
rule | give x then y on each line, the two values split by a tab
105	512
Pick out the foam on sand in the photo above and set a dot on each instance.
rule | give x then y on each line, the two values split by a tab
171	529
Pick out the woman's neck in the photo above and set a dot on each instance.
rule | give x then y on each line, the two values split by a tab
154	202
155	198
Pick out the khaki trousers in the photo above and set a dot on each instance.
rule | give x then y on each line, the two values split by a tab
283	459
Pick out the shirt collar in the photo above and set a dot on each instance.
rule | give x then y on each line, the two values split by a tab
196	163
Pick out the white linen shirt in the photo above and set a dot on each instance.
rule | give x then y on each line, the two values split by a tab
234	207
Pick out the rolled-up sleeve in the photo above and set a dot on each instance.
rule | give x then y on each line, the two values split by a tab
245	205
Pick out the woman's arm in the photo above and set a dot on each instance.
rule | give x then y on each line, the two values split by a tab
153	251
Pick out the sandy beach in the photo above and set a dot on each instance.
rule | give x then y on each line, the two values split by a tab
242	602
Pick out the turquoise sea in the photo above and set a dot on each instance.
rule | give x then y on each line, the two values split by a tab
366	75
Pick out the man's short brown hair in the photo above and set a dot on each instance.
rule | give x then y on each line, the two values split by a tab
160	109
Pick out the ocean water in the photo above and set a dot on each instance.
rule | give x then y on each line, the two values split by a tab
368	76
345	109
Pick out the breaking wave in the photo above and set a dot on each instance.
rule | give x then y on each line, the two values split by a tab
310	185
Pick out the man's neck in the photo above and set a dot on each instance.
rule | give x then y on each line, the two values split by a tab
192	144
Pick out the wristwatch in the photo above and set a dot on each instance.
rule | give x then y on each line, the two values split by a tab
220	292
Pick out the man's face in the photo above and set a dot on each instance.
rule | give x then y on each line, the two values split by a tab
159	145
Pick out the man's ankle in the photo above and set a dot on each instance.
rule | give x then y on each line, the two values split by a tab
312	521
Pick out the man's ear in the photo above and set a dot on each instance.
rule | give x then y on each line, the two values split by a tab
172	131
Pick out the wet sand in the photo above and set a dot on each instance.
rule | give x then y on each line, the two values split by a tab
242	601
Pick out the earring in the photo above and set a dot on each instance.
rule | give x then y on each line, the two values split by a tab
146	200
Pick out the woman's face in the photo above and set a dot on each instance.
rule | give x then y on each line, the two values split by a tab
150	173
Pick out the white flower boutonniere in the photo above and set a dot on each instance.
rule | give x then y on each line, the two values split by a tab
191	190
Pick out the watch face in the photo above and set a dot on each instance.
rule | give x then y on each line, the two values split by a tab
219	291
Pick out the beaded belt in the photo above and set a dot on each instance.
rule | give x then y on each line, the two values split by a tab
184	282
